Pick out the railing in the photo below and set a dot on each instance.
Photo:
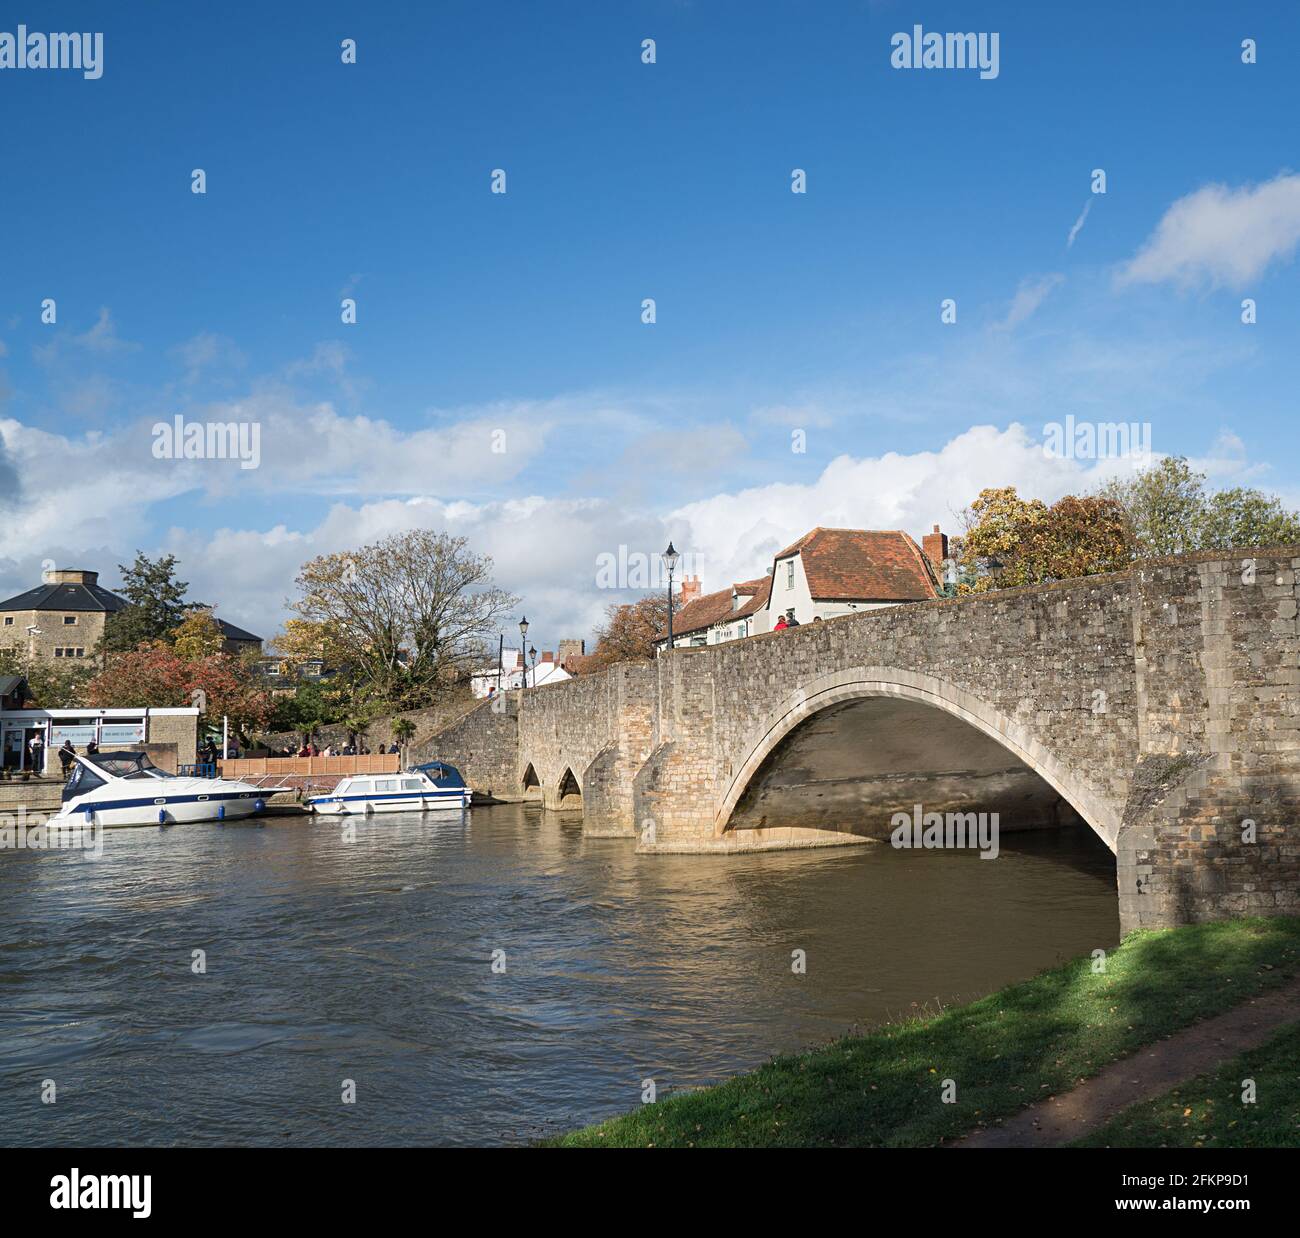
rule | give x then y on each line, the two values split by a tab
203	769
253	767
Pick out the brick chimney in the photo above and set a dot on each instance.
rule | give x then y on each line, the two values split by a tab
935	546
690	589
548	656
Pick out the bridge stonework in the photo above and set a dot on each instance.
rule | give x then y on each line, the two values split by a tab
1162	704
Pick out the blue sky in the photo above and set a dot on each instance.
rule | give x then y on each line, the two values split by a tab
478	312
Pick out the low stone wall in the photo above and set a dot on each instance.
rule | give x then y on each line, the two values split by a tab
483	744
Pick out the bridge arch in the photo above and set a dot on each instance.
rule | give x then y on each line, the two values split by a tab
532	785
569	791
859	683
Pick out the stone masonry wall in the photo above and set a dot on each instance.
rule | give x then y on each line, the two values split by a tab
1213	827
1163	704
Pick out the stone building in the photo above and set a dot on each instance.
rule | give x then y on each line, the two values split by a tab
63	617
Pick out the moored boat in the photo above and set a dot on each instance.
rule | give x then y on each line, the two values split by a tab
112	789
433	785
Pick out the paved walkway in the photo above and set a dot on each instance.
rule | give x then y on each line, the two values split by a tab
1151	1071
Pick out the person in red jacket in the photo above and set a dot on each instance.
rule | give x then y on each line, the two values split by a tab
780	625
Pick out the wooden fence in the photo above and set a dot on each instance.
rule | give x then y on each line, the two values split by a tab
261	767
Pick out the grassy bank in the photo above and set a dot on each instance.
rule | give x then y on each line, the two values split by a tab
1208	1112
1004	1051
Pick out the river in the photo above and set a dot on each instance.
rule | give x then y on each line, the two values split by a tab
371	960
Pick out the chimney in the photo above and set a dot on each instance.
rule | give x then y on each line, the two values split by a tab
548	656
935	546
69	576
690	589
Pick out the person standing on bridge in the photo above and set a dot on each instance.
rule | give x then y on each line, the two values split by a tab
780	625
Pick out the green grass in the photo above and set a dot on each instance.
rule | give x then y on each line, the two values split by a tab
1208	1112
1004	1051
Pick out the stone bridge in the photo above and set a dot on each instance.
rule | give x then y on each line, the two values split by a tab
1159	705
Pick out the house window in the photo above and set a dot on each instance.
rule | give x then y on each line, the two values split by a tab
9	621
789	573
69	620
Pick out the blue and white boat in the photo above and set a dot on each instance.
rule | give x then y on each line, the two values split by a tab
432	785
126	788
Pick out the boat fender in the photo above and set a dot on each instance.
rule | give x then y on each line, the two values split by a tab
259	806
221	812
162	816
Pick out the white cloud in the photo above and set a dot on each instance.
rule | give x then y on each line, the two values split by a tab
1078	224
742	531
1221	237
1029	296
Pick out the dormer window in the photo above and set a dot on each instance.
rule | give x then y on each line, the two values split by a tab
735	600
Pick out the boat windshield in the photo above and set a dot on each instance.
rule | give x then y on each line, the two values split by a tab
441	774
128	765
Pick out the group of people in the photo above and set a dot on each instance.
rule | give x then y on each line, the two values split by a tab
66	754
789	621
211	754
348	750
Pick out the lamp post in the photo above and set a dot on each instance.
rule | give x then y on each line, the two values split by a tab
670	558
523	648
532	653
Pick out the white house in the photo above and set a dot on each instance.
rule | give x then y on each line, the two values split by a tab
827	572
547	669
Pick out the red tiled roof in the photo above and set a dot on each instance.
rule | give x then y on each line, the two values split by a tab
711	608
864	565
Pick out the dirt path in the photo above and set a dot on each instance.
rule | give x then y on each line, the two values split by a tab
1150	1072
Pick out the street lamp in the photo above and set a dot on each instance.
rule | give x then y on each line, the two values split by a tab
523	645
532	653
670	557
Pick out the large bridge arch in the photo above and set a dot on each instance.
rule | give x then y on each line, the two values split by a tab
859	683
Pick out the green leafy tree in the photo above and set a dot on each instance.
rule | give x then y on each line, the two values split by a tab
156	605
51	684
304	711
1168	511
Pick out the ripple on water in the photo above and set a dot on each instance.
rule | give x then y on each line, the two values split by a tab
371	960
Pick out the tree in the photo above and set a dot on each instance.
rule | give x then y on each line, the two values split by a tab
156	675
403	615
198	636
51	684
1168	512
403	730
629	632
155	607
302	641
304	711
1011	542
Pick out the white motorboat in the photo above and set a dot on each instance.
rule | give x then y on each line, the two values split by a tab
432	785
126	788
